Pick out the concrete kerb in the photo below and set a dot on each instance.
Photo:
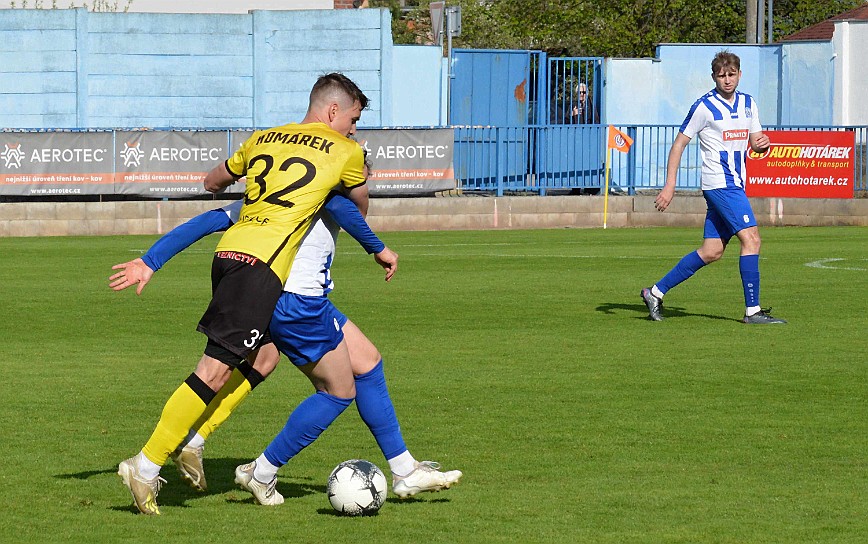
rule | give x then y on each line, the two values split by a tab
432	213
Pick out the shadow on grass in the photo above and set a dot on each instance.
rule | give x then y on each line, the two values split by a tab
668	311
392	501
221	480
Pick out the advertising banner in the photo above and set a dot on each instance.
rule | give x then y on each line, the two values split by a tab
803	164
172	164
56	163
166	164
409	161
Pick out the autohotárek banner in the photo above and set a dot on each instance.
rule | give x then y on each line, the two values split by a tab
803	164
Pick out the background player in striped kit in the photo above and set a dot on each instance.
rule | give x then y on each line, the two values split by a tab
726	121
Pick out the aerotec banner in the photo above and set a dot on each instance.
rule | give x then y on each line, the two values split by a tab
56	163
172	164
803	164
166	164
409	161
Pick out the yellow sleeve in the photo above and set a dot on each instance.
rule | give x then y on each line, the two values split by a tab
353	173
237	164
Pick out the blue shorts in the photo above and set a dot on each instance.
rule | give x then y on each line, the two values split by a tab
728	212
305	328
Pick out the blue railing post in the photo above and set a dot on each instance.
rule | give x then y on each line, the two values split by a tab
500	159
631	162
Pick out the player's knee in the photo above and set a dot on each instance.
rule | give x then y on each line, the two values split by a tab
342	389
366	362
213	372
264	360
751	244
708	256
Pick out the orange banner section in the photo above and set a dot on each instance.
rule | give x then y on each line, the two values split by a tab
415	173
803	164
57	179
159	177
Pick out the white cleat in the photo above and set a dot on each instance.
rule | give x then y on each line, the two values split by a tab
426	477
190	467
265	494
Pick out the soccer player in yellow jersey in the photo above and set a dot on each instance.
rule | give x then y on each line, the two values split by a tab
290	171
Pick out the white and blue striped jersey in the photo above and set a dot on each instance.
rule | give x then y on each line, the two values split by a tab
723	130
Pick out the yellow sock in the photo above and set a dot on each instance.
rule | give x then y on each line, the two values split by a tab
181	411
218	411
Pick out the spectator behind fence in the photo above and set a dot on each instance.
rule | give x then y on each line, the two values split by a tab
584	112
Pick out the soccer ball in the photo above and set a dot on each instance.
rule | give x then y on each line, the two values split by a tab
357	488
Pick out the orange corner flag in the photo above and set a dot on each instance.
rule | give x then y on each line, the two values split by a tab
618	140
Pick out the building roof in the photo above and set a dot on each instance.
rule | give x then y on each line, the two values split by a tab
824	29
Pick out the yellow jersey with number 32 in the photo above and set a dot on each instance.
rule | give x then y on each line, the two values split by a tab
290	171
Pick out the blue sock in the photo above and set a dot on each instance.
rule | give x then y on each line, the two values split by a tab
377	411
748	266
305	424
686	267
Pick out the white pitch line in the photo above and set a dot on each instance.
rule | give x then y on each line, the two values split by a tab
534	256
822	263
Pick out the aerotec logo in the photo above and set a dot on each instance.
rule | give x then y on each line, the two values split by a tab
12	155
132	155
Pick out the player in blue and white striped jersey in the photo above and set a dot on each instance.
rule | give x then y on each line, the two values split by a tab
726	122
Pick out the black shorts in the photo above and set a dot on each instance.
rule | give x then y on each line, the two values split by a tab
244	293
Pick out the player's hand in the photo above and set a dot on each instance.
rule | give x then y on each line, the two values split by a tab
664	198
761	142
131	273
388	259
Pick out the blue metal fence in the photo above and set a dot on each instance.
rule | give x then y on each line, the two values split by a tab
541	158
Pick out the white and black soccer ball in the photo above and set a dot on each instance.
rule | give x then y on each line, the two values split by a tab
357	488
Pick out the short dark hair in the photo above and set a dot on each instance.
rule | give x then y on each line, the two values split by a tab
723	59
338	82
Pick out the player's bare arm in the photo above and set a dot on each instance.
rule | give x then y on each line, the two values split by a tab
134	272
219	178
668	192
759	142
359	196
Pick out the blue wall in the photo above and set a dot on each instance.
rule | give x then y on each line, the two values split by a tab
76	69
419	86
791	82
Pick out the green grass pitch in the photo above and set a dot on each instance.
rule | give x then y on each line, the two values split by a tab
523	358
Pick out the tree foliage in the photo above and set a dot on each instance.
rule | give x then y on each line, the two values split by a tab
794	15
622	28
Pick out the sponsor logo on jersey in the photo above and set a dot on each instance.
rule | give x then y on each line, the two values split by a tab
235	256
735	135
